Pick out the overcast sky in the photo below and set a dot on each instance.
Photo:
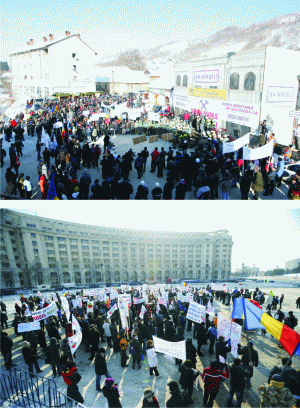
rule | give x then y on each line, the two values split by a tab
115	25
264	234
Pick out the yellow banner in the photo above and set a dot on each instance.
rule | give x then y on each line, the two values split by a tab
208	93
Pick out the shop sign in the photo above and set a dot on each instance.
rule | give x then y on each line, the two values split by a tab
281	94
208	93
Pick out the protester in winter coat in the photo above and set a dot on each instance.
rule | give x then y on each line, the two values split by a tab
68	369
276	394
6	347
152	358
149	399
257	183
135	350
114	335
123	347
53	356
191	353
288	374
100	367
65	348
212	378
187	377
201	338
177	400
30	359
247	352
94	337
222	349
111	393
238	375
41	339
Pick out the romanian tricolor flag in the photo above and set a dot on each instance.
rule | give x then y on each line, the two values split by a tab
184	284
56	108
255	318
63	132
63	292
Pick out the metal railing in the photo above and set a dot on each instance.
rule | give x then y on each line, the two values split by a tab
37	392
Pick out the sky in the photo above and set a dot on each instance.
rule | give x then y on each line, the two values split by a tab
264	234
116	25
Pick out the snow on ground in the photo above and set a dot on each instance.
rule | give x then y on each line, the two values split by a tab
175	47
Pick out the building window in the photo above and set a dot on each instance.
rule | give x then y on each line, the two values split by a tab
234	81
61	239
73	55
185	81
31	226
249	82
33	235
34	243
178	80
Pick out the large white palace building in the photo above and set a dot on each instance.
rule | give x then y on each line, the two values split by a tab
36	250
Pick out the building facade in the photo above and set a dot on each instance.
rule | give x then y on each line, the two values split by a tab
38	250
54	65
242	88
121	80
292	264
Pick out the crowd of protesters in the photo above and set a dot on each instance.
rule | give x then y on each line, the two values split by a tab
166	321
63	151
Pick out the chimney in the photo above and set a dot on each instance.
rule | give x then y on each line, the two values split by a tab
68	33
50	37
78	35
31	41
45	39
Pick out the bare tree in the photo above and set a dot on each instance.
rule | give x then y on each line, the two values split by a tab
132	59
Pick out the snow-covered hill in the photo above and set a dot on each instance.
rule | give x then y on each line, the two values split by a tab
282	31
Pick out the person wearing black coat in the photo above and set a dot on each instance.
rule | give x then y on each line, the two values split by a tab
100	367
94	337
53	356
170	331
191	353
30	359
111	393
201	338
177	400
221	350
6	347
238	376
187	377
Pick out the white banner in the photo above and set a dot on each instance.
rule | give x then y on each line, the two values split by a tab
75	340
42	314
26	327
224	327
259	153
57	125
235	335
91	292
210	309
173	349
153	116
218	287
163	301
77	302
111	311
45	139
145	297
196	312
137	301
229	147
143	310
65	305
123	318
113	294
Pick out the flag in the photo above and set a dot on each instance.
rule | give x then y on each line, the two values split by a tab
255	318
63	292
52	190
184	284
56	108
63	132
39	293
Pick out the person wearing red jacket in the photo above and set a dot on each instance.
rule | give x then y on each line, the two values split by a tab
212	378
69	368
154	156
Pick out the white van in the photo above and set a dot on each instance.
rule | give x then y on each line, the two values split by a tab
43	287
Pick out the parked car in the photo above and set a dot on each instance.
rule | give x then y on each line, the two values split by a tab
290	171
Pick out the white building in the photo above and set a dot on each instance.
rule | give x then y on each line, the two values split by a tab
121	80
242	88
292	264
37	250
55	65
162	85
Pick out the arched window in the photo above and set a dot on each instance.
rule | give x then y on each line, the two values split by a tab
249	82
54	278
185	81
178	80
66	277
234	81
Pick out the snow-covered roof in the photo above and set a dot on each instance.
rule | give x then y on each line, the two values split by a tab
45	44
122	75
